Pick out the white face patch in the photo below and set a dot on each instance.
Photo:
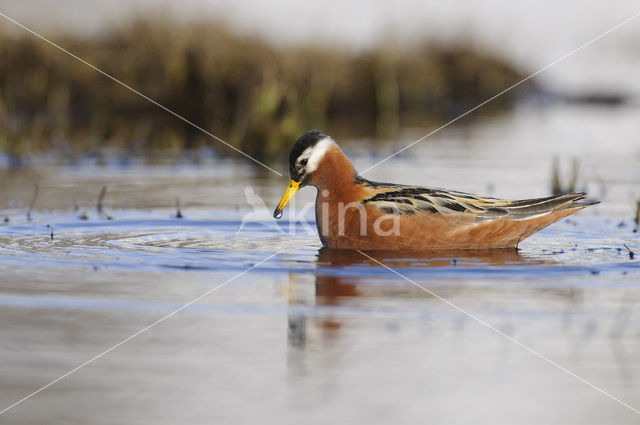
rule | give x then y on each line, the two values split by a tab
315	154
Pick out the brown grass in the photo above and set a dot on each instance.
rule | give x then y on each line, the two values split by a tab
257	97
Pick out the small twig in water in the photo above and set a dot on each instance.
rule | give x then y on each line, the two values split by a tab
631	253
575	166
555	177
636	219
33	201
178	212
556	185
100	204
82	216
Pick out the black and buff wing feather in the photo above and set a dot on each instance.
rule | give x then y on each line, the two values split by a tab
398	199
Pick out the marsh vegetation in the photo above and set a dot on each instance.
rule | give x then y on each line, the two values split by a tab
255	96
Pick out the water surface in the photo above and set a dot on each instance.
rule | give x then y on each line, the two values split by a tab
313	335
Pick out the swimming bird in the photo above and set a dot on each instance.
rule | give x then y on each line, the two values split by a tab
355	213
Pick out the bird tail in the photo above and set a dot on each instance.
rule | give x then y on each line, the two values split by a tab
531	208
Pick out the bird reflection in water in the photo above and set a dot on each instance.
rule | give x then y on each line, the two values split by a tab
330	307
336	283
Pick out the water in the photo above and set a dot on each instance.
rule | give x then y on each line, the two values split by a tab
314	335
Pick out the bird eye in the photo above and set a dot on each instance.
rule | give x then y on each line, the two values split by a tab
304	161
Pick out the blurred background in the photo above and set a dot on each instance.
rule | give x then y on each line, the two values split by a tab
113	212
259	75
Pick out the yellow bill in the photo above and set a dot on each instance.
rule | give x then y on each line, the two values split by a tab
288	194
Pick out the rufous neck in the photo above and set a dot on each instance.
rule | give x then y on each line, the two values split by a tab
334	172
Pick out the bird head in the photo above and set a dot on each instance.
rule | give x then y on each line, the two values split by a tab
305	157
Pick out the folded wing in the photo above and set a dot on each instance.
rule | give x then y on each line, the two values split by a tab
418	200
